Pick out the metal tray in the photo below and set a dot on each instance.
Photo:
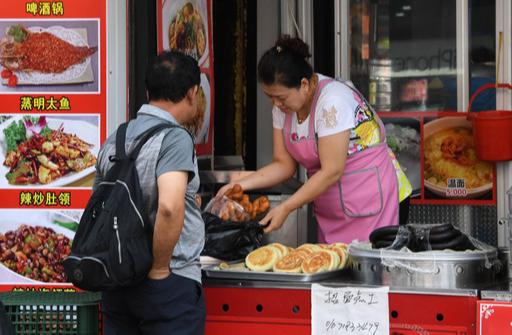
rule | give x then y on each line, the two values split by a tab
246	274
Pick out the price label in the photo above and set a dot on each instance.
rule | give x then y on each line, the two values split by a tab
349	310
456	192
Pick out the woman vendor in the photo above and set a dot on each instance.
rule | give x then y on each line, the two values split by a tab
326	125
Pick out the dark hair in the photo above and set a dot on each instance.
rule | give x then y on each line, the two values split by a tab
171	75
285	63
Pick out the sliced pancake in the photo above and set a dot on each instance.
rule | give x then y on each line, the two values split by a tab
309	246
262	259
342	254
290	263
303	253
336	260
277	250
339	244
320	261
306	250
282	248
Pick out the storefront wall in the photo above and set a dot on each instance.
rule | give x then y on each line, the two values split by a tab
449	50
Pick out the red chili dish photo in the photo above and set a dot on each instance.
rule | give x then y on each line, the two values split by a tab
35	252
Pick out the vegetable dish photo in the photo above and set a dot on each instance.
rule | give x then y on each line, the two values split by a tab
185	28
41	151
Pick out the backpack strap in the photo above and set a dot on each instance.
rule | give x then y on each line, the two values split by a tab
144	137
120	141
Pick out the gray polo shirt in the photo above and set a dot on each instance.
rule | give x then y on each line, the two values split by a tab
171	150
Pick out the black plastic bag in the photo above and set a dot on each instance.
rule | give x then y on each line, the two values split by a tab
421	237
229	240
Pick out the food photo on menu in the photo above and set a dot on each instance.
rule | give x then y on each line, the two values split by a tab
33	245
48	151
451	166
199	126
185	25
49	56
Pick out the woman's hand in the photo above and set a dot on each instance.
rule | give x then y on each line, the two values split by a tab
275	218
224	189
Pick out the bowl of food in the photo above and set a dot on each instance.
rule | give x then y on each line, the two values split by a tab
32	252
450	156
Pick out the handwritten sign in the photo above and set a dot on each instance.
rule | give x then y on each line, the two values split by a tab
349	310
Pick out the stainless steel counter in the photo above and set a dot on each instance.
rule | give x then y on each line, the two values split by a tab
210	282
502	292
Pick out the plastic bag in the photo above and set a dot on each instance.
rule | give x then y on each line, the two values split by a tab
228	240
237	206
227	209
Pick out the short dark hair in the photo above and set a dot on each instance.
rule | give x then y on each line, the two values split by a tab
285	63
171	75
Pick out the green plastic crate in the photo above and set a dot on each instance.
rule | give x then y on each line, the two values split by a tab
42	313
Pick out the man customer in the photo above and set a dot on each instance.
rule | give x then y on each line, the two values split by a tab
170	300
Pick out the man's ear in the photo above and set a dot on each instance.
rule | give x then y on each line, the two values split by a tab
192	92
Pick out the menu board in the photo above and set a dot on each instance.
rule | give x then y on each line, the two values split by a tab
52	122
186	26
437	152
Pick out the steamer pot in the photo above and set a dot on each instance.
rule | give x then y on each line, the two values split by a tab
440	269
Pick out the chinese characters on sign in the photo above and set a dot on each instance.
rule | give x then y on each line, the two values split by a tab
350	311
31	103
52	123
45	8
45	199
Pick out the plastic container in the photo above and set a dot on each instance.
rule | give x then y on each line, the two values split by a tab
492	130
41	313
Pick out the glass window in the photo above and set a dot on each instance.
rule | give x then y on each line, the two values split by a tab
403	53
482	52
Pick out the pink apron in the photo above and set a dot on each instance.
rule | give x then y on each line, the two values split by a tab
366	196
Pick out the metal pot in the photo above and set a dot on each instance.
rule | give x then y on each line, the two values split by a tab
432	269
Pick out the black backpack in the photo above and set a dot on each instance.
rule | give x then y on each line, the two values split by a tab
112	247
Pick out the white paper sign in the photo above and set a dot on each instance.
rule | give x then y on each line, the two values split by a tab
349	310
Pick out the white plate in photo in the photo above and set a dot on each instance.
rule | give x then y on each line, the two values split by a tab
202	134
12	220
86	131
432	128
77	73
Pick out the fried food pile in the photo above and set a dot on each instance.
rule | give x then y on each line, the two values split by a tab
236	206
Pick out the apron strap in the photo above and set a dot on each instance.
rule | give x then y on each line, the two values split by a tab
321	84
311	127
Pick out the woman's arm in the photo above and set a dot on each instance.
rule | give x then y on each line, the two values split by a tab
332	150
281	169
